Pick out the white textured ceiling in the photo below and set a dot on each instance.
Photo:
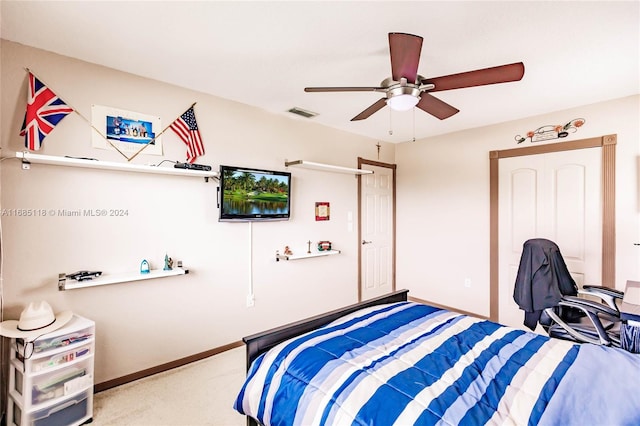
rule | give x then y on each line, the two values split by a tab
264	53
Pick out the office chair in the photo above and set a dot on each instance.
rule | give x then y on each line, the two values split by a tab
548	294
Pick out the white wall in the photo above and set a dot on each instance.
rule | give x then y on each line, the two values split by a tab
443	201
148	323
442	223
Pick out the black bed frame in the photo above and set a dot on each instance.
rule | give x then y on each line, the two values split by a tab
259	343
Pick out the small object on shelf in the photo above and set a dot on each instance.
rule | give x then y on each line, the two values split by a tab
192	166
84	275
308	246
287	251
324	245
144	267
168	263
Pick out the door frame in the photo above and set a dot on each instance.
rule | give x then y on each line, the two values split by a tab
608	145
361	162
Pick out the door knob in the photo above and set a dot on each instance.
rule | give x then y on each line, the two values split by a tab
366	242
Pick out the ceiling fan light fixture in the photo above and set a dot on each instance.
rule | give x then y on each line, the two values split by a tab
406	89
402	102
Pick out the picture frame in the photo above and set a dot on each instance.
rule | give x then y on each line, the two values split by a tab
322	210
125	131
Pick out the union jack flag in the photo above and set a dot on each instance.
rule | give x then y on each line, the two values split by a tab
44	110
187	128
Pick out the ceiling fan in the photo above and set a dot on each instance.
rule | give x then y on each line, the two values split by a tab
406	88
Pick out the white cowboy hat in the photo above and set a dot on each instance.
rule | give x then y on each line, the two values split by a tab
35	320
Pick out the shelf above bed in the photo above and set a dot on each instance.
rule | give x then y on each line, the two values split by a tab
28	157
326	167
68	284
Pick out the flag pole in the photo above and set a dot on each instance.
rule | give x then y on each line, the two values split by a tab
158	135
82	116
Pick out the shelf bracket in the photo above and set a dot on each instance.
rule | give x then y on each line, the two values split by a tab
26	165
62	281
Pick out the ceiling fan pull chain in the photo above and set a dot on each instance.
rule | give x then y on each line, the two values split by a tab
414	125
390	122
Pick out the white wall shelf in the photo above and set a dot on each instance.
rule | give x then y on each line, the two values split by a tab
326	167
305	255
67	284
28	157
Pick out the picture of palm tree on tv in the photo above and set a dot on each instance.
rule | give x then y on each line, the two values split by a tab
252	193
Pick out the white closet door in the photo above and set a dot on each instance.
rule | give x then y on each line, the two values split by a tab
556	196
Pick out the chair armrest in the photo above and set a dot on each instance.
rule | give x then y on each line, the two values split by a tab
604	290
591	309
607	294
590	305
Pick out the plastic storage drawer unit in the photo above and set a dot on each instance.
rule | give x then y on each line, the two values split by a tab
51	378
66	412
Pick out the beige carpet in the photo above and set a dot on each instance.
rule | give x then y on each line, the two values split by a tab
200	393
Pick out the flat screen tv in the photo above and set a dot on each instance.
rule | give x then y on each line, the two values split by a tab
248	194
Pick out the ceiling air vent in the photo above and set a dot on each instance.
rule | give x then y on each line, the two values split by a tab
302	112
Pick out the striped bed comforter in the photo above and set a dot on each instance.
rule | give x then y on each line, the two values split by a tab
408	363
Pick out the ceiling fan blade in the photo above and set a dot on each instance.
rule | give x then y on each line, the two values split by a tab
482	77
369	111
436	107
405	56
342	89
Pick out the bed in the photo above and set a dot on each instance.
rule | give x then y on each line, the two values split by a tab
392	361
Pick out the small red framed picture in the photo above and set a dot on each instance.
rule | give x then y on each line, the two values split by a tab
322	210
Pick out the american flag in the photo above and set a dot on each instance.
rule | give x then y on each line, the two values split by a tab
187	128
44	110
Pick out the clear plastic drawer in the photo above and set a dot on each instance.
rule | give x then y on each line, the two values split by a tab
57	383
60	358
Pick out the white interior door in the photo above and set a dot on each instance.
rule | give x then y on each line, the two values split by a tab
556	196
376	245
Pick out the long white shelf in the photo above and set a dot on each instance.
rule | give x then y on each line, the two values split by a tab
326	167
28	157
305	255
67	284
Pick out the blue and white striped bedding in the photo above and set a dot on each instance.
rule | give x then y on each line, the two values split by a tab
408	363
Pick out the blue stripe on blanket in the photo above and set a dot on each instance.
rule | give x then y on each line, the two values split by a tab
551	385
252	371
468	382
404	386
503	363
329	349
385	393
375	352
